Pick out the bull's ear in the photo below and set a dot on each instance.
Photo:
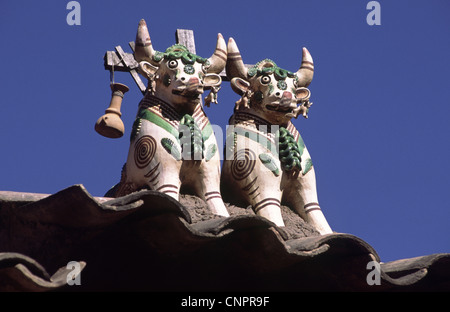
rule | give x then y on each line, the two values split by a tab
302	94
147	69
211	80
239	85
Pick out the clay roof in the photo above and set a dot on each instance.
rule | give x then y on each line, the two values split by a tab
148	241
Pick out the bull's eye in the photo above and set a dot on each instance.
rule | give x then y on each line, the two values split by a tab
282	85
173	63
265	79
189	69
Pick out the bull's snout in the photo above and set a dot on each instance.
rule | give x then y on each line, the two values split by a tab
194	86
286	99
285	103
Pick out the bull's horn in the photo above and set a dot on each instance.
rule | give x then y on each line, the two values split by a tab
219	58
306	71
235	66
143	50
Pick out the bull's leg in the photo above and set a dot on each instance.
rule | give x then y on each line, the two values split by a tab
204	177
210	189
214	201
301	194
153	177
269	208
316	218
206	186
163	174
171	188
264	194
311	208
210	183
249	179
153	165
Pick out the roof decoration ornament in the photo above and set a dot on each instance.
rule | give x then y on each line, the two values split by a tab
171	143
268	162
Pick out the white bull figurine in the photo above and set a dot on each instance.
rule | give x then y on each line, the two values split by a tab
266	161
172	141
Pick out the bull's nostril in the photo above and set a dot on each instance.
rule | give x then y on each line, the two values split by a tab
277	94
183	78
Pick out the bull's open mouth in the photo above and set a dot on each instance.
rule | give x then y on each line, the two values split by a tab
279	108
190	94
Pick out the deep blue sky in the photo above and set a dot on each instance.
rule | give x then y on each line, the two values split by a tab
378	131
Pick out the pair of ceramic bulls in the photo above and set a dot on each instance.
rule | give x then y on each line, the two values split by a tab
173	145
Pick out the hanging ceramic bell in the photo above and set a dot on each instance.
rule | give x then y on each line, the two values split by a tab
110	125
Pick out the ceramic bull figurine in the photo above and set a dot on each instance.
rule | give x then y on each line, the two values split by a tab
266	161
172	140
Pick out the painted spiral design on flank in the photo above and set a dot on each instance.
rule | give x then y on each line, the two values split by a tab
243	164
144	150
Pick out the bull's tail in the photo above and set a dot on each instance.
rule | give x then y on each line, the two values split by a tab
123	187
113	191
